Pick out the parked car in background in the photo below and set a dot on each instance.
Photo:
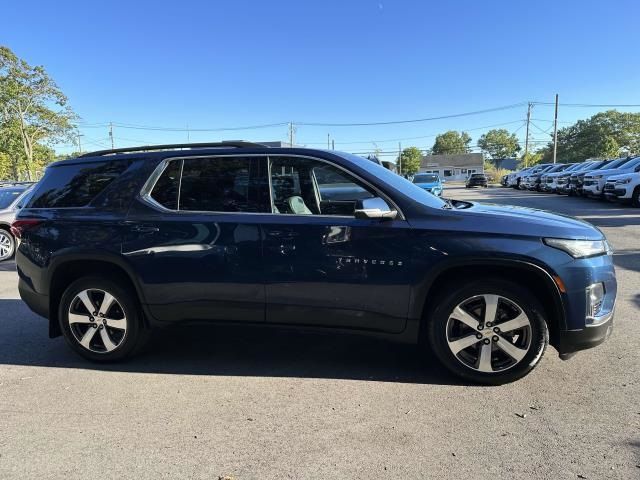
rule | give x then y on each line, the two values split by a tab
533	180
594	181
562	179
477	180
431	182
548	180
576	180
117	242
12	197
625	188
504	181
516	177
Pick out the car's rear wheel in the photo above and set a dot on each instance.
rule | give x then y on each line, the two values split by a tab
101	320
489	331
7	245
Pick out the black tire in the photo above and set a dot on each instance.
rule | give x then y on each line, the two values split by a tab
8	243
136	333
438	318
635	197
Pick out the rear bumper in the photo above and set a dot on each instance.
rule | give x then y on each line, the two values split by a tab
37	302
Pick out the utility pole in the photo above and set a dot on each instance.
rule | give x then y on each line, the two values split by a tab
555	132
188	134
400	158
333	144
111	133
79	143
526	140
328	141
291	131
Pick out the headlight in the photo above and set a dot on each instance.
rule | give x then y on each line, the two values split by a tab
622	181
580	248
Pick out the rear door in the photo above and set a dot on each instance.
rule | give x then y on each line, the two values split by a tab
194	239
326	267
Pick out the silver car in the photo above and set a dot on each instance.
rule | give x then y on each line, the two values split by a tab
12	197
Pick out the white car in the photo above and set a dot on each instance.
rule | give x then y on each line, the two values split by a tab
624	187
594	181
11	200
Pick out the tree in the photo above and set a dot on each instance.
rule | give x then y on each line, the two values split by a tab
532	158
604	135
451	143
409	160
32	109
499	143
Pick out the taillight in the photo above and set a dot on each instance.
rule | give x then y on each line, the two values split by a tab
20	226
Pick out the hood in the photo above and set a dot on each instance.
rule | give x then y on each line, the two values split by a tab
516	221
613	171
618	176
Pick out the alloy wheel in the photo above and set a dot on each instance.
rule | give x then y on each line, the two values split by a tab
97	320
489	333
6	245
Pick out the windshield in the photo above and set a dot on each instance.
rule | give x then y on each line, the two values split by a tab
395	181
426	178
617	163
8	195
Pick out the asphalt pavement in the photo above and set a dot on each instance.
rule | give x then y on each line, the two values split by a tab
209	402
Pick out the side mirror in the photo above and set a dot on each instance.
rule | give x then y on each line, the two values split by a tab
637	168
375	207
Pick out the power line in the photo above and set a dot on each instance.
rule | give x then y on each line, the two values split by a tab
415	120
590	105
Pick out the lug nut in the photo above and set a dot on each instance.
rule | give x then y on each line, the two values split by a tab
496	338
91	319
478	336
489	324
101	327
496	329
480	326
95	314
487	341
95	325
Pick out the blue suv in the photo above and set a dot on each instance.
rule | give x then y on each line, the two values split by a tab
117	242
430	182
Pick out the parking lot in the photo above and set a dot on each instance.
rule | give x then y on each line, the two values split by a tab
209	402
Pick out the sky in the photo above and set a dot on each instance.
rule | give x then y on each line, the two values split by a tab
207	65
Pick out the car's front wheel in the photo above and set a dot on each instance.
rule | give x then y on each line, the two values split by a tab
489	331
635	197
101	320
7	245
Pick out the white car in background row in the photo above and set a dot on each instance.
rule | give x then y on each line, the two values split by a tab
594	182
624	188
12	198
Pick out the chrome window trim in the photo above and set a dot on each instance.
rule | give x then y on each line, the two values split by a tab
147	188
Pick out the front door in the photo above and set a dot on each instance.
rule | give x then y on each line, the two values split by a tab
194	240
326	267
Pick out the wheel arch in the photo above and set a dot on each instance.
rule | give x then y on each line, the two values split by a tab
530	275
63	271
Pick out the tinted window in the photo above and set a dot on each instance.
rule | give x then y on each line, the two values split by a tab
76	185
310	187
223	184
395	181
8	196
165	191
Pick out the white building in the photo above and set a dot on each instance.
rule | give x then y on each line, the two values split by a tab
453	167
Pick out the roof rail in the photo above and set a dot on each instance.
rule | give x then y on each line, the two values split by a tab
175	146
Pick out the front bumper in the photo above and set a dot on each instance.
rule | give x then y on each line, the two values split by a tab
571	341
582	330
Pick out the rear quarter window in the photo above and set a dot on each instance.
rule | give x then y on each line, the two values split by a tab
76	185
